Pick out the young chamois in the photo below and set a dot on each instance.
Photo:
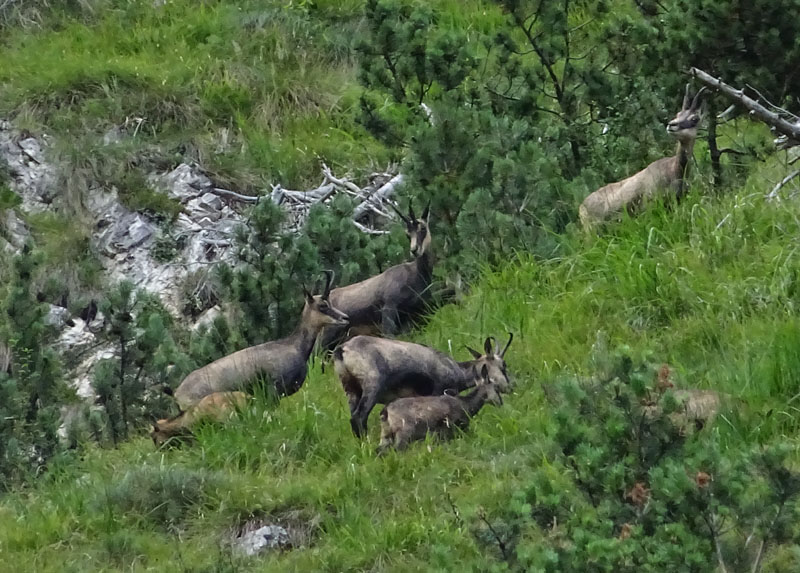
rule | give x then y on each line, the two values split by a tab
283	363
217	406
381	304
662	177
376	370
408	419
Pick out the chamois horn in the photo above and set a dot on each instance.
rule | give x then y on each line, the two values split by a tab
411	214
696	99
510	338
329	274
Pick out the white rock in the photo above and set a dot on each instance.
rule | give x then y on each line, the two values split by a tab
57	316
267	537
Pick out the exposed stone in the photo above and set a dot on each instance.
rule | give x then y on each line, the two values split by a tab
13	231
57	316
268	537
32	177
207	318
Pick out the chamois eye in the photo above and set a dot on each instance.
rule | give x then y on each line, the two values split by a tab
323	306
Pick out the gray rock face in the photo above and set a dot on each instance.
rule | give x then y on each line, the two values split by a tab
268	537
57	316
123	238
32	177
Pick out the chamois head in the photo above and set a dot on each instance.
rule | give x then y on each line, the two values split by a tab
318	312
493	360
492	395
417	229
684	126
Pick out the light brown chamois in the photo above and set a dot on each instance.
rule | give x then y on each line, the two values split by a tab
217	406
376	370
664	177
283	363
408	419
383	303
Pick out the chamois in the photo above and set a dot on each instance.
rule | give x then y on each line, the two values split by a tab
217	406
283	362
376	370
664	175
408	419
380	304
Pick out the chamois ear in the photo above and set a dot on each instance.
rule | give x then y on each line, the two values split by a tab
510	338
485	373
686	98
426	212
475	353
488	347
309	297
329	275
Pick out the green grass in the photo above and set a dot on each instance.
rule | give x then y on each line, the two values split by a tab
710	288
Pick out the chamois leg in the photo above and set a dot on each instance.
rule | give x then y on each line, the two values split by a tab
358	420
390	320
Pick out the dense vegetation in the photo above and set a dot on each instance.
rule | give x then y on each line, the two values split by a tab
528	107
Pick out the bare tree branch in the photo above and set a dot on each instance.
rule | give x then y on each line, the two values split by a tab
791	129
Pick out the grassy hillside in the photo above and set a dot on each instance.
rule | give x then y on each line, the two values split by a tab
710	288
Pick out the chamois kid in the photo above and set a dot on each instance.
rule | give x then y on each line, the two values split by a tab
408	419
217	406
664	176
383	303
376	370
284	363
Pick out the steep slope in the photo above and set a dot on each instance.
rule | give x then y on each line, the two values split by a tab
710	289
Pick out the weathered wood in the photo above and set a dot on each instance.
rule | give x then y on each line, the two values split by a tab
790	129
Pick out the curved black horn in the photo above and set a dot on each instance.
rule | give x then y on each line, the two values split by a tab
696	99
396	210
329	274
426	211
686	98
475	353
411	214
510	338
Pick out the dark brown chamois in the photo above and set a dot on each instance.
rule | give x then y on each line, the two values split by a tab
283	363
408	419
663	177
385	302
376	370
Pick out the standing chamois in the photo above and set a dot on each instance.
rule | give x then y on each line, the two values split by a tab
409	419
217	406
376	370
381	304
662	177
283	363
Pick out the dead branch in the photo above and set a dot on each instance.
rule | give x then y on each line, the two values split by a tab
381	194
791	129
774	193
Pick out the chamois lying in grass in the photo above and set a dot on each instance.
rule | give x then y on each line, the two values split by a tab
409	419
376	370
385	302
283	363
217	406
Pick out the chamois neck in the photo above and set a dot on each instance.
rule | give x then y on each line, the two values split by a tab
465	378
474	401
425	264
684	154
305	336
